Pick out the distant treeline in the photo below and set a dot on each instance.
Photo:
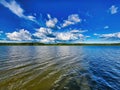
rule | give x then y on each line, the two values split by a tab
59	44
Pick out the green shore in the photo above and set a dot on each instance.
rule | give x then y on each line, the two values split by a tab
60	44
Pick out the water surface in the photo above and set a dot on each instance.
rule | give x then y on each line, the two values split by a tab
59	68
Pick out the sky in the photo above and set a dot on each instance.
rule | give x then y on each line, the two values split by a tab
63	21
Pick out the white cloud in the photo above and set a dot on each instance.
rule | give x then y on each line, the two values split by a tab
22	35
72	19
48	15
78	31
68	36
42	32
67	23
106	27
113	9
48	40
32	18
46	35
15	8
109	36
51	23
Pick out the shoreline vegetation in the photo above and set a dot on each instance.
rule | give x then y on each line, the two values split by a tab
59	44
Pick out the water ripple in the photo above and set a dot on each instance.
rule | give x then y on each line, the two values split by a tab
59	68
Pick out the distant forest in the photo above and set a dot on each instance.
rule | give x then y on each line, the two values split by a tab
59	44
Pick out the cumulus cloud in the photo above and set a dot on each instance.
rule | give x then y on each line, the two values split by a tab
71	35
15	8
109	36
43	32
113	9
22	35
47	36
51	23
67	36
48	40
72	19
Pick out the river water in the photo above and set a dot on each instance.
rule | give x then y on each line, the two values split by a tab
59	68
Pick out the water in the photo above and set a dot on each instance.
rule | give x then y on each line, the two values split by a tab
59	68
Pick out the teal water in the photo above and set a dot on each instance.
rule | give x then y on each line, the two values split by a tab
59	68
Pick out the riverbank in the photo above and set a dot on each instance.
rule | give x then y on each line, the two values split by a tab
60	44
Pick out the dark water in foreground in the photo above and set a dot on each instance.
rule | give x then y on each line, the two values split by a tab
59	68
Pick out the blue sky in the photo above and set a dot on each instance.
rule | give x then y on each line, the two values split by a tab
60	21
